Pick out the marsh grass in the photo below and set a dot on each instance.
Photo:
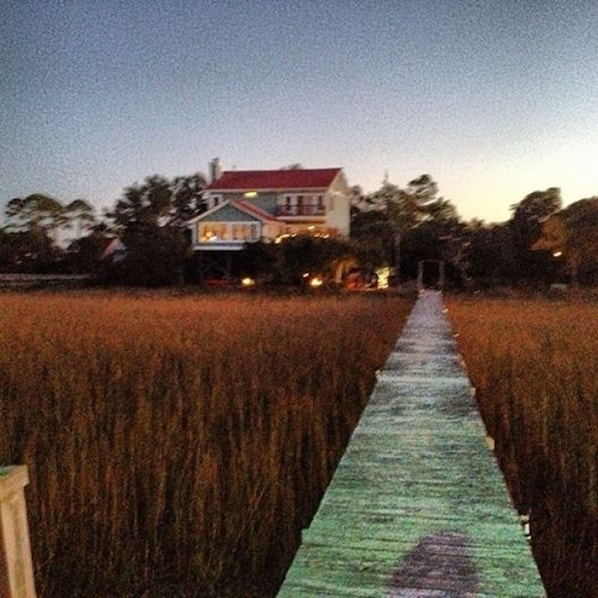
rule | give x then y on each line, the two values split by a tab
177	445
534	364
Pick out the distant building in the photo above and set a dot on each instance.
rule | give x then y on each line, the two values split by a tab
246	206
115	251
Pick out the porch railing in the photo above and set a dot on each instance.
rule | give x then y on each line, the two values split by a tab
308	210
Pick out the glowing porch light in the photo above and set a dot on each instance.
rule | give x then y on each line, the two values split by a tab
250	194
557	254
247	281
316	282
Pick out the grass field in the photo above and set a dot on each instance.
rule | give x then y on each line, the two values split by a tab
534	364
177	444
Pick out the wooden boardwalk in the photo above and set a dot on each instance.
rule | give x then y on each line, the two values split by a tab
417	506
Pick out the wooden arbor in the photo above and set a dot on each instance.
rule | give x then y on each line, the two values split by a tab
421	267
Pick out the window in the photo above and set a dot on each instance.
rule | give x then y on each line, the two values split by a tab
287	207
213	231
245	232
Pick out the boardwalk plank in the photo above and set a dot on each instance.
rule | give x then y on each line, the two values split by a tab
417	506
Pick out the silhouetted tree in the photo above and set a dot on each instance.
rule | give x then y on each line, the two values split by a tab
490	255
158	201
149	219
79	216
526	225
35	212
570	237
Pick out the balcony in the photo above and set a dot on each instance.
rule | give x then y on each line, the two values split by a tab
298	210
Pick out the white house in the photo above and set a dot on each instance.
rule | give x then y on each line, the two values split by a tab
246	206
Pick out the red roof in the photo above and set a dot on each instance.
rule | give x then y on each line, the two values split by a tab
254	180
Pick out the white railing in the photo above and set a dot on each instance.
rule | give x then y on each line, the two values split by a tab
16	568
307	210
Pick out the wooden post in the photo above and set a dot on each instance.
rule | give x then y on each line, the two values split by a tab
16	569
420	275
441	274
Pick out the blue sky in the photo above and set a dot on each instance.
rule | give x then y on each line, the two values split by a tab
494	99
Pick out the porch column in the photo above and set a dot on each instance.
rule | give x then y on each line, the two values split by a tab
16	568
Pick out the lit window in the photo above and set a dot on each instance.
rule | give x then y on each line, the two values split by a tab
245	232
212	232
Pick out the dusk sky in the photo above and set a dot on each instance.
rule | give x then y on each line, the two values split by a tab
494	99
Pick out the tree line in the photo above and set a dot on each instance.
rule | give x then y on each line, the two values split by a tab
541	243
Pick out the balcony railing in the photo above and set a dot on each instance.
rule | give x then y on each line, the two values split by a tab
307	210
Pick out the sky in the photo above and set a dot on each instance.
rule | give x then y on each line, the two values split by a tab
493	98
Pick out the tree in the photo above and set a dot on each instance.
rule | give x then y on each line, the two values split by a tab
148	219
400	207
423	190
526	226
154	257
158	201
401	226
36	211
441	210
44	213
571	235
371	236
187	196
490	256
439	236
32	226
143	205
79	214
29	251
83	254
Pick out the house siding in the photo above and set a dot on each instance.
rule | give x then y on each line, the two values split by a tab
230	213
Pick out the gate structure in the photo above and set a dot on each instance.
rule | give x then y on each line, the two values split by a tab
421	268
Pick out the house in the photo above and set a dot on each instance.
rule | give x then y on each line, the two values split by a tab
115	251
247	206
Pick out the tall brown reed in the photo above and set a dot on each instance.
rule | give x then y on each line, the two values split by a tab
177	445
534	364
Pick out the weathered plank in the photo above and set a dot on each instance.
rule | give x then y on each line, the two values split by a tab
417	506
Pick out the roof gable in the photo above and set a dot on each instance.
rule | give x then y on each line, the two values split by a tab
254	180
234	211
